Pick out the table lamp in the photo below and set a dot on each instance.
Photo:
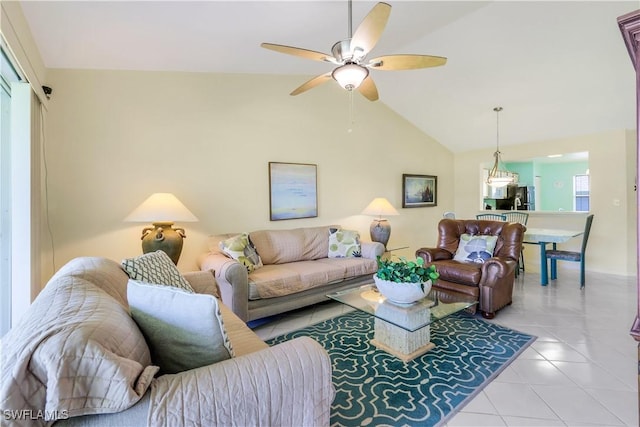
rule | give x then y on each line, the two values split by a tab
162	210
380	229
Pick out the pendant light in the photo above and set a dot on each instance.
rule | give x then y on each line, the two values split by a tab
499	176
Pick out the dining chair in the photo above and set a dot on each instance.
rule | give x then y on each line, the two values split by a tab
492	217
522	218
558	255
449	215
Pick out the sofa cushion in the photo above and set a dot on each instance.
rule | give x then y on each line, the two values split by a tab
344	243
155	267
466	273
352	267
75	351
285	279
475	248
299	244
241	249
184	330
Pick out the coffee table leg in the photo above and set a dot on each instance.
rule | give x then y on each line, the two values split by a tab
401	343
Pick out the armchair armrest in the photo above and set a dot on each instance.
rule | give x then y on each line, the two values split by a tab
288	384
232	279
372	250
497	270
433	254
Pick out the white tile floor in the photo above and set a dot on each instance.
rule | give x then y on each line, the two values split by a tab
581	371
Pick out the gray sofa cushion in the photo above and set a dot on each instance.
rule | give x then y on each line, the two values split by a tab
298	244
285	279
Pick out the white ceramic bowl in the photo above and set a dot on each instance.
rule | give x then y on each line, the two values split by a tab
402	293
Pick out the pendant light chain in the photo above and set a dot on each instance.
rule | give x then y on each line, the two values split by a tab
497	110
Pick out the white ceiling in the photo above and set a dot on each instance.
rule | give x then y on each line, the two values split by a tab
558	69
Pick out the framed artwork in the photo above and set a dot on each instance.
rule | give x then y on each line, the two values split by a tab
293	191
419	191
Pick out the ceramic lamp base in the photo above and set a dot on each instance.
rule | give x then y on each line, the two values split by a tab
380	231
162	236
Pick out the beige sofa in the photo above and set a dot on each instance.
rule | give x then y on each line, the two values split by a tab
77	356
296	271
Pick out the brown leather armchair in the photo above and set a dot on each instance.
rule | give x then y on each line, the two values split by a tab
491	282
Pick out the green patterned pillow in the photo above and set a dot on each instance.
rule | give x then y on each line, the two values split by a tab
344	243
183	330
478	248
157	268
242	250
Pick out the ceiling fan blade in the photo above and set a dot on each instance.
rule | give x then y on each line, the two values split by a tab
368	89
406	62
370	29
318	80
296	51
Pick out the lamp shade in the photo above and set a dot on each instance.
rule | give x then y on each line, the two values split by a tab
161	207
499	181
350	76
380	207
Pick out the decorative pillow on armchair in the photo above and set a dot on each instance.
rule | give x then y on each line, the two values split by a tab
242	250
344	243
478	248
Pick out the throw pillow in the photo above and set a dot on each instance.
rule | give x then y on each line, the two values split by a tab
242	250
344	243
478	248
155	267
183	330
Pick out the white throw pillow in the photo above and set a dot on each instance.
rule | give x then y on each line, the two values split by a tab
344	243
478	248
155	267
183	330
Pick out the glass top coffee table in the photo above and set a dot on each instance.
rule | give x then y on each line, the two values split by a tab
403	329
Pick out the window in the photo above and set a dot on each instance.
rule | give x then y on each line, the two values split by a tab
8	79
581	192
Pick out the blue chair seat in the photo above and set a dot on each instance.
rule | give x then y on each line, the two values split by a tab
564	255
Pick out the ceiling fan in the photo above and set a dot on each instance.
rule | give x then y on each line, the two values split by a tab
352	71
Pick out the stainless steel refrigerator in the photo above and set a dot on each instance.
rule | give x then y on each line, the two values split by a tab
524	198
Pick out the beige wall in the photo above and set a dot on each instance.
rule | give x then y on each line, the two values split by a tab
612	244
115	137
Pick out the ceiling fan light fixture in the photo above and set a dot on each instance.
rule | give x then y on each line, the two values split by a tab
350	76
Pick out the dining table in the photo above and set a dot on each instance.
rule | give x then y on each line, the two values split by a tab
543	237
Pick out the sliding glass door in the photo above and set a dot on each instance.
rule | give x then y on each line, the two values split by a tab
8	76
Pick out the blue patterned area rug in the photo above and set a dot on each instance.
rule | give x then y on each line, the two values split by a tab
374	388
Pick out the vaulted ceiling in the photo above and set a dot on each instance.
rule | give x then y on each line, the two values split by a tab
558	69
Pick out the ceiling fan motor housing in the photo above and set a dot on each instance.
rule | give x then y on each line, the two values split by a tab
342	52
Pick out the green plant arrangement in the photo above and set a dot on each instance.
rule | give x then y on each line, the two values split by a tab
401	270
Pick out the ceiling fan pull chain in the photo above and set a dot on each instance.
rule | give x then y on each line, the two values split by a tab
351	115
